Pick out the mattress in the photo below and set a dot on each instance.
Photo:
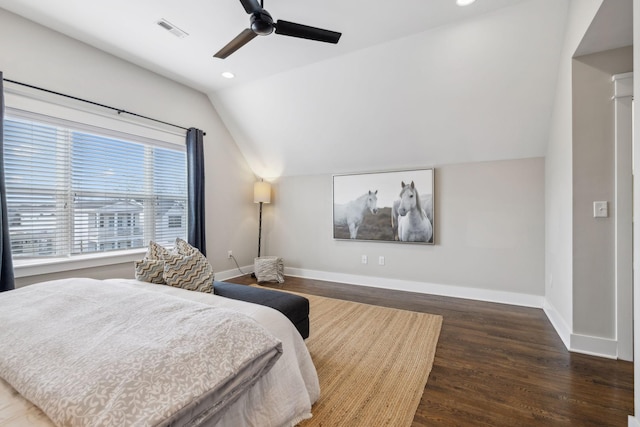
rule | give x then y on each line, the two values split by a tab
282	396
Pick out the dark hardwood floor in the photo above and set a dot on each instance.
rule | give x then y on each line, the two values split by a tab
499	365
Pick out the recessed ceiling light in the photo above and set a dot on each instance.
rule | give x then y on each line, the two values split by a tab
228	75
464	2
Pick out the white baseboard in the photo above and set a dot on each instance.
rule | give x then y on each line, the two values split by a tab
594	346
585	344
558	323
488	295
230	274
633	422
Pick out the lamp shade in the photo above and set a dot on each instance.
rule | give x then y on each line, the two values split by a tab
261	192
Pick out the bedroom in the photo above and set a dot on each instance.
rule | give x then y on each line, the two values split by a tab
476	191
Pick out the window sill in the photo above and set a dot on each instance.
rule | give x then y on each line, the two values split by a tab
35	267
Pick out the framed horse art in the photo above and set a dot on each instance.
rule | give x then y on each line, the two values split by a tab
390	206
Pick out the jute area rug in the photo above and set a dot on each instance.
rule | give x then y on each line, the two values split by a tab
373	362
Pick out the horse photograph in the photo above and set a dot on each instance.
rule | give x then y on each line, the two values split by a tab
408	216
394	206
352	213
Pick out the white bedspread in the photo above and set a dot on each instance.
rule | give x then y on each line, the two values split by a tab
282	397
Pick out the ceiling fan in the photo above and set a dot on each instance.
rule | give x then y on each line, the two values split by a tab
262	24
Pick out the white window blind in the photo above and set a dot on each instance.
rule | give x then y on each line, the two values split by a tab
73	189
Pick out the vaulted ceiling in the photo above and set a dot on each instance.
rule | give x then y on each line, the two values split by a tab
411	83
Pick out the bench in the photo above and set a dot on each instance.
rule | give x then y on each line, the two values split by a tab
294	307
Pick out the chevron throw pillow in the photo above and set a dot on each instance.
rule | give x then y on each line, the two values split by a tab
192	272
150	270
156	251
183	266
183	247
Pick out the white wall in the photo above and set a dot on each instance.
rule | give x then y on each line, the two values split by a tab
33	54
559	179
489	235
369	109
594	179
580	293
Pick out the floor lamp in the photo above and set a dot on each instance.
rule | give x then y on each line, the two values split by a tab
261	194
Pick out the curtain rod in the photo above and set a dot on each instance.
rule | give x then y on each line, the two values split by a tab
119	110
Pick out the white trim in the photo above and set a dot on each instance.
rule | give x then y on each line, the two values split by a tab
636	219
623	210
558	323
230	274
35	267
594	346
502	297
633	422
619	76
623	85
20	98
115	130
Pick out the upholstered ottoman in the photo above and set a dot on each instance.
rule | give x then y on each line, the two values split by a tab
295	307
269	269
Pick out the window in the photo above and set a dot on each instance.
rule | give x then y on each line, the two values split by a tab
73	189
175	221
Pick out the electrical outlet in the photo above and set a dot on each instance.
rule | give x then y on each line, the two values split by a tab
381	260
364	259
229	254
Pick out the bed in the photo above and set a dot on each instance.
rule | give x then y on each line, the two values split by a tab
112	352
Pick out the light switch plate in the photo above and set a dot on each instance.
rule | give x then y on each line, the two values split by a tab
600	209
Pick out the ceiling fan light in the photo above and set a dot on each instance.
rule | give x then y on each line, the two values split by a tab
262	23
464	2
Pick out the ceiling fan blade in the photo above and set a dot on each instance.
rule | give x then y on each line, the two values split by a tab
292	29
241	39
251	6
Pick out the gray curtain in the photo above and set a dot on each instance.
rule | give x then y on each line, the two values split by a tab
7	281
195	190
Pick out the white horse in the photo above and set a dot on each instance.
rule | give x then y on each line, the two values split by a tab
352	213
426	200
413	223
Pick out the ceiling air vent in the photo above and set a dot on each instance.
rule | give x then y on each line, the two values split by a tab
172	28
